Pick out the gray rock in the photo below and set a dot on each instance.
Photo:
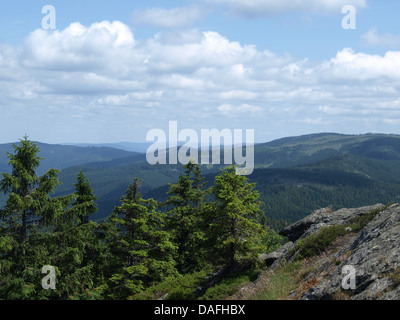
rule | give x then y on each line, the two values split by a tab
270	258
323	217
375	256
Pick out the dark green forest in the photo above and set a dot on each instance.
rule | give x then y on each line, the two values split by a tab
116	228
199	230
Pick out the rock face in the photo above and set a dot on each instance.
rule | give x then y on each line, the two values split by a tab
366	267
375	257
321	218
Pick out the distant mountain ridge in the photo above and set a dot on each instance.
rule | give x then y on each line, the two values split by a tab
126	146
294	175
61	156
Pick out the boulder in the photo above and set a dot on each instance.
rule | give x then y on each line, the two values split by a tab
375	257
270	258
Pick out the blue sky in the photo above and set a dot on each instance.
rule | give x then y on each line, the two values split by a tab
113	70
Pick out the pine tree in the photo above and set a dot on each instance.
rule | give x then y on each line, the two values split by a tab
29	193
29	208
85	199
141	252
79	252
185	218
234	232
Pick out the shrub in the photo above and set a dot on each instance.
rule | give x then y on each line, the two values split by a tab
359	222
318	242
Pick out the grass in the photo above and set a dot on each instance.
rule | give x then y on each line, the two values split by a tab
184	287
279	283
274	285
230	285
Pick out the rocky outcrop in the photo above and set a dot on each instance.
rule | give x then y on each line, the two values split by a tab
321	218
272	257
375	257
366	266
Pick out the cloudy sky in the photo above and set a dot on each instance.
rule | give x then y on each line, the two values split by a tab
113	70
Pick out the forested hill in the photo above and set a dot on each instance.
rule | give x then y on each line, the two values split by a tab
294	175
64	156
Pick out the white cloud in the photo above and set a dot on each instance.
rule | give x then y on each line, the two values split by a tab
254	8
372	39
199	78
243	109
168	18
78	47
361	66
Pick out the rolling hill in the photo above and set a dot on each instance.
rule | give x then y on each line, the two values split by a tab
61	156
294	175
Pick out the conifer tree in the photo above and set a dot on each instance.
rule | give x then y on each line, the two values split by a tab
234	232
141	252
79	256
185	218
28	193
29	208
85	199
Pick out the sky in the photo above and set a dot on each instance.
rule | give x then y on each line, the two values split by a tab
111	71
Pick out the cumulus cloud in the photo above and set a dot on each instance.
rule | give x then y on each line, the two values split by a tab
254	8
202	78
78	47
361	66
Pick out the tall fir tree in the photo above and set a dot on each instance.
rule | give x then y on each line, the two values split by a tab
234	232
141	252
85	199
80	252
185	218
29	208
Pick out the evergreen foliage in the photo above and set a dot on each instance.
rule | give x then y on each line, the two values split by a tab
234	232
187	198
142	249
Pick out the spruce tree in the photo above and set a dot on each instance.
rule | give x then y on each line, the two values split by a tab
29	208
185	218
234	231
141	252
78	253
85	199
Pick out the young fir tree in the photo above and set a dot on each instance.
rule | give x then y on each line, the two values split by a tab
185	218
234	232
141	252
85	199
79	257
29	207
